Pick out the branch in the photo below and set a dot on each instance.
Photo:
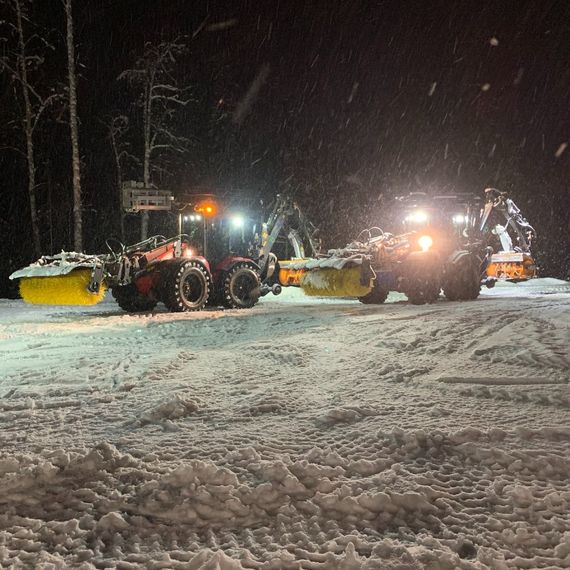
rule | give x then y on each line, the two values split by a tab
180	145
132	75
125	155
167	87
45	103
171	99
14	149
16	76
41	40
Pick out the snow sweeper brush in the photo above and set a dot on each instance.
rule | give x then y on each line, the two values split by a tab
66	279
331	282
328	277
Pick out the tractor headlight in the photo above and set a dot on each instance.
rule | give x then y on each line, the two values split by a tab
238	222
417	217
425	242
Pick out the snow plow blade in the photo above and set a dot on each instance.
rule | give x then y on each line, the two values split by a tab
69	289
64	279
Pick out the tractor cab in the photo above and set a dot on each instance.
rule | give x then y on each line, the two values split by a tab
451	221
492	228
218	229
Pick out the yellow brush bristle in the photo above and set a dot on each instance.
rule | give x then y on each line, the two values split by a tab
329	282
69	289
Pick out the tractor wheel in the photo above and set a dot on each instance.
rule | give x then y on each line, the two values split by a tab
240	287
422	290
130	300
422	279
462	281
186	287
376	297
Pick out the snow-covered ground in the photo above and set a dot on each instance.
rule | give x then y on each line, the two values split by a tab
302	434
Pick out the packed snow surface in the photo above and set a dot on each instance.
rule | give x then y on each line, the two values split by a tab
301	434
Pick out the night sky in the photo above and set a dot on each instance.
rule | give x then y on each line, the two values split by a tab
358	102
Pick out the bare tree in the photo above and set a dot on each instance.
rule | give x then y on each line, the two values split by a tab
74	129
20	62
159	98
117	128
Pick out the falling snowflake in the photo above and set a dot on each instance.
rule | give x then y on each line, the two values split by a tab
494	41
560	150
486	87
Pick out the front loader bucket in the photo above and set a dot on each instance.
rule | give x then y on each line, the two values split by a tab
68	289
332	282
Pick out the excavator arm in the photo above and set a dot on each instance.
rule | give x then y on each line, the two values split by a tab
514	260
287	216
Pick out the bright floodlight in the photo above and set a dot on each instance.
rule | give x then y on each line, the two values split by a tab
425	242
417	217
459	219
197	217
237	221
185	218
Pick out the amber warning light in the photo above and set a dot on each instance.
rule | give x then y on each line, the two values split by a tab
207	209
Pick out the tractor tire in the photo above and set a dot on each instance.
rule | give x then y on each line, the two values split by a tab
240	287
462	281
186	286
376	297
130	300
422	290
422	282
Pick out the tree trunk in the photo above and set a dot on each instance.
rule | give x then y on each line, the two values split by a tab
119	180
73	124
29	129
147	119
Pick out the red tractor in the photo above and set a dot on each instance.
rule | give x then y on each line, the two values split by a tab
227	264
139	276
169	271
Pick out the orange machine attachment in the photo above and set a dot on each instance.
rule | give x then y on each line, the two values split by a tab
289	276
512	266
